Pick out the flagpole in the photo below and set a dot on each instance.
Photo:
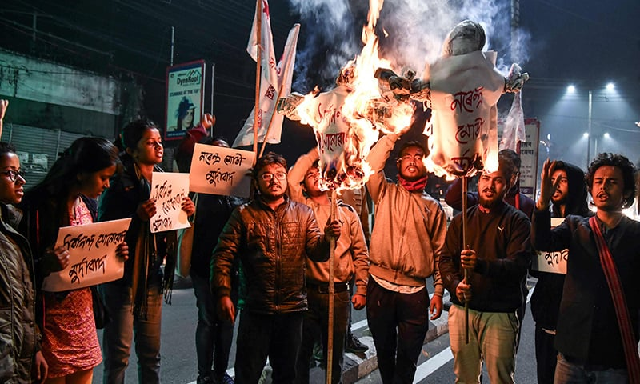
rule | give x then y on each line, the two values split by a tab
332	245
256	108
275	106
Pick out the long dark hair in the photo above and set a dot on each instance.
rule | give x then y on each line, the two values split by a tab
576	203
46	202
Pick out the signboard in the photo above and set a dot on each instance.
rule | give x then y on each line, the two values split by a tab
221	171
169	190
552	262
92	255
529	155
185	98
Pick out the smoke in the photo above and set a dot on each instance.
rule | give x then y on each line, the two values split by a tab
411	33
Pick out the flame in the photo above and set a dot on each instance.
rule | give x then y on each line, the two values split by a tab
348	119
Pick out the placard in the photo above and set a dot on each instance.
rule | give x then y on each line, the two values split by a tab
92	255
221	170
169	190
552	262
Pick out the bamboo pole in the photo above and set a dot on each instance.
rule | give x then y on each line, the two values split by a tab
256	107
464	246
332	245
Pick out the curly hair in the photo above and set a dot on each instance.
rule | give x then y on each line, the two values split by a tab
628	174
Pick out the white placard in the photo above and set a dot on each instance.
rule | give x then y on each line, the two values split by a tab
221	171
552	262
92	255
169	189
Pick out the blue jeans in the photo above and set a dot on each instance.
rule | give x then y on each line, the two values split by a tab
571	373
399	324
116	339
213	335
277	336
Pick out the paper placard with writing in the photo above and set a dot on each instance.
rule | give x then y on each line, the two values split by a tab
552	262
169	189
92	255
221	171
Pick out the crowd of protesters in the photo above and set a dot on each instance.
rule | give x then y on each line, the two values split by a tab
271	253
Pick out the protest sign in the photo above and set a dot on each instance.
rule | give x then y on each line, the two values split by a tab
553	261
92	255
221	170
169	190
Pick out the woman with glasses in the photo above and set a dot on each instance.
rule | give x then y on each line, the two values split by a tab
67	197
135	301
21	359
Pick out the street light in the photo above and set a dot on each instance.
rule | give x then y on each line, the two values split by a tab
571	89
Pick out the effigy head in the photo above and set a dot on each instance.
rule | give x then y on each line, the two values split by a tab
466	37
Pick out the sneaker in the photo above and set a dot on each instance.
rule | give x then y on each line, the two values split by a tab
354	345
226	379
204	380
318	354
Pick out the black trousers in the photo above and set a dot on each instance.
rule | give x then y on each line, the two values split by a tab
277	336
546	355
399	324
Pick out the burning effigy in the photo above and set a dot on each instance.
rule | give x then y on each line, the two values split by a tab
348	119
462	89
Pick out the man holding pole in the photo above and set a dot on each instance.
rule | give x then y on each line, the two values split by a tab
409	230
351	258
272	236
496	257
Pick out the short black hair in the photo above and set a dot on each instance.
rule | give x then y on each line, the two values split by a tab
133	132
628	173
6	148
412	144
513	157
268	159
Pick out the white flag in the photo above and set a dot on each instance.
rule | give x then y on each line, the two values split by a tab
514	130
275	82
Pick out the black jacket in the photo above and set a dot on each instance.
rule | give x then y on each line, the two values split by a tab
121	201
501	241
587	330
272	246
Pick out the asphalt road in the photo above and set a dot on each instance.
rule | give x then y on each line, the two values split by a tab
179	355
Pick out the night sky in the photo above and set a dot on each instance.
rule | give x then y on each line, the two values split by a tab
582	42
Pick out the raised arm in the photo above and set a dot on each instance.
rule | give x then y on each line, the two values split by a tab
377	159
296	175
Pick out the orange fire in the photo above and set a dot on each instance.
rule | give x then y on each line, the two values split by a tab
349	119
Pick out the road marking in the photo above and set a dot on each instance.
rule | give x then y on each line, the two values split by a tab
433	364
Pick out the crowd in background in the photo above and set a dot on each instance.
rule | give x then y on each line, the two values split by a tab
266	258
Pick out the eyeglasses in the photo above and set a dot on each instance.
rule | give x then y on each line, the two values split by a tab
155	144
271	176
13	174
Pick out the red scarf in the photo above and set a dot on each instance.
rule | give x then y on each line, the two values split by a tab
619	303
412	186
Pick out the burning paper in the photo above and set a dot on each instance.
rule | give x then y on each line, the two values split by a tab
348	119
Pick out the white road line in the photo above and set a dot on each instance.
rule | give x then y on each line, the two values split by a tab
433	364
